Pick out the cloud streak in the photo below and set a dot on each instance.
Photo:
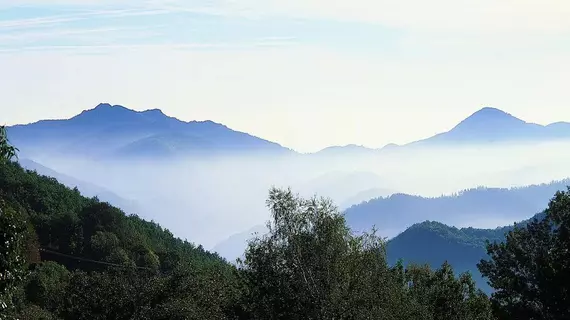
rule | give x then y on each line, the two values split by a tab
60	19
435	15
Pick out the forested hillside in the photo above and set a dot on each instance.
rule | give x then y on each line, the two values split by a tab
432	243
84	259
104	263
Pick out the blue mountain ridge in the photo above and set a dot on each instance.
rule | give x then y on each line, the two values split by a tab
487	125
115	131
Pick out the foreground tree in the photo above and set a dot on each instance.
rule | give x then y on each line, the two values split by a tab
7	150
12	238
443	296
310	266
530	271
12	260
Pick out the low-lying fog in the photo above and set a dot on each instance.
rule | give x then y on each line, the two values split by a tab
207	201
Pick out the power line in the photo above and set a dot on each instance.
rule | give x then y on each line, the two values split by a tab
91	260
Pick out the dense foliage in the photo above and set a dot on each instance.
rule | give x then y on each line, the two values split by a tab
7	150
85	259
103	264
531	269
463	248
310	266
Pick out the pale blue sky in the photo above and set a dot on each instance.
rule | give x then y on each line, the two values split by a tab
305	73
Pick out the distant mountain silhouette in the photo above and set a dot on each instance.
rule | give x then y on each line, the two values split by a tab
487	125
85	188
347	150
113	130
493	125
473	206
234	246
364	196
342	186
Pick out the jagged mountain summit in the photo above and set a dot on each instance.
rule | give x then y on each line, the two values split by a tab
118	132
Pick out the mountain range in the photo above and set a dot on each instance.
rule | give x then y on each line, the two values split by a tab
485	126
345	188
490	125
113	131
489	206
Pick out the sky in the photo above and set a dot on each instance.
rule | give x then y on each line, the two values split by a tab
305	73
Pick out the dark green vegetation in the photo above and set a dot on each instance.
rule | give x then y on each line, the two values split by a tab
102	263
431	242
79	258
531	269
87	189
310	266
461	247
396	211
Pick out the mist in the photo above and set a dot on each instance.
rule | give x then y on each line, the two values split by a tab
208	200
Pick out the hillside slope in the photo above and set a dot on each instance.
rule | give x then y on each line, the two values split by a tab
433	243
128	260
87	189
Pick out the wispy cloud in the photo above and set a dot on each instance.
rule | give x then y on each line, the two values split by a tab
59	33
59	19
462	15
138	25
438	15
146	47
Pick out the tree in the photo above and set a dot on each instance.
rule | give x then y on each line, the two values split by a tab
441	295
12	237
310	266
530	271
7	150
12	250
